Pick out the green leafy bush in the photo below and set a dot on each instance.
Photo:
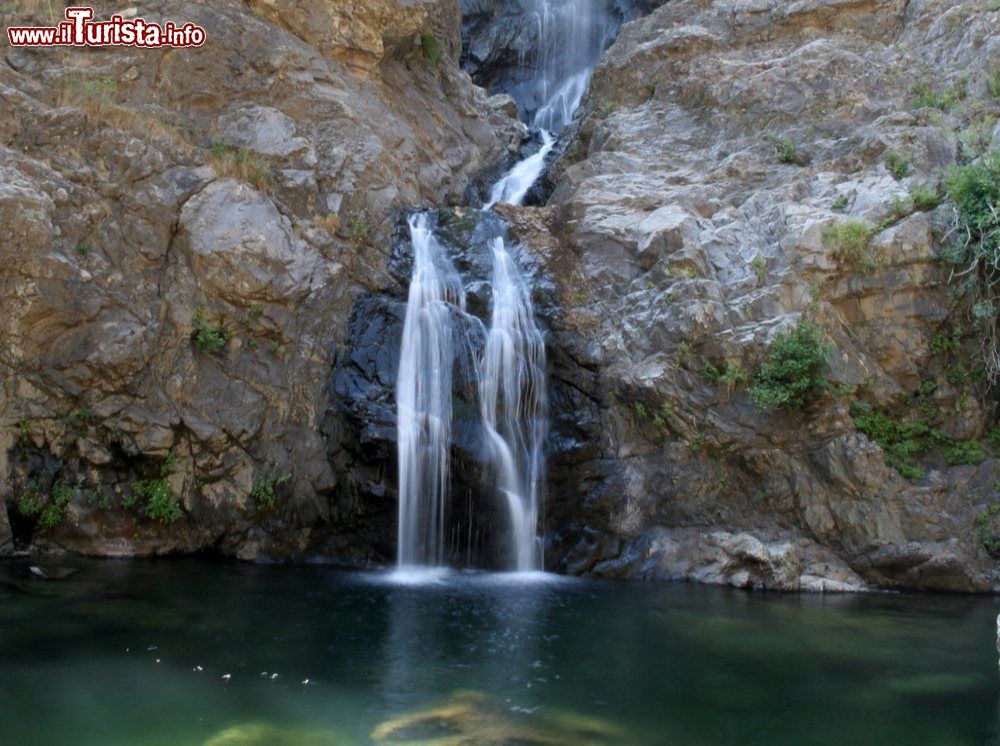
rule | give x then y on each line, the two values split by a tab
792	377
162	504
925	198
730	377
975	191
849	242
944	100
898	164
785	150
902	442
963	452
265	490
52	514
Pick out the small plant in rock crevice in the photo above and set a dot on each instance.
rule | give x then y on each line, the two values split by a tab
241	164
785	150
606	109
431	47
849	242
265	489
731	376
361	229
943	99
993	84
208	338
46	512
162	503
898	164
925	198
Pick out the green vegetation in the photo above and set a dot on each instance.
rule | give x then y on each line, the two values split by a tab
792	377
924	96
431	47
975	191
840	203
963	452
993	83
901	442
361	229
730	377
162	504
62	495
904	440
759	265
925	198
849	241
986	531
208	339
241	164
898	164
943	344
606	109
255	312
30	502
47	513
265	489
785	150
25	428
82	250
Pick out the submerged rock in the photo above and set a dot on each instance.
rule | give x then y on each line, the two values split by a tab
265	734
473	718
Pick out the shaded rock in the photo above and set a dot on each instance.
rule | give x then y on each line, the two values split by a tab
265	734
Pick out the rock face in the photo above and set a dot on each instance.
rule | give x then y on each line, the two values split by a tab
718	141
203	278
186	234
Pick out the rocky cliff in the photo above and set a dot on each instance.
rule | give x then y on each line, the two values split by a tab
185	234
202	291
727	151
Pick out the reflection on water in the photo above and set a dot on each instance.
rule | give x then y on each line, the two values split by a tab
110	655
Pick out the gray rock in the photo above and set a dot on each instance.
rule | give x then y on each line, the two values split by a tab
262	129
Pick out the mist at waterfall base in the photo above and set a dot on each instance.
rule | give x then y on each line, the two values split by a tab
638	663
511	380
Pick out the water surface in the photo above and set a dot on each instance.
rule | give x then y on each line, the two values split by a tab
109	655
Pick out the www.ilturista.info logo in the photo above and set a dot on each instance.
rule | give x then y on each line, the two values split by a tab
80	30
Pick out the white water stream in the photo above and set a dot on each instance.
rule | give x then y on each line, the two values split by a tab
511	375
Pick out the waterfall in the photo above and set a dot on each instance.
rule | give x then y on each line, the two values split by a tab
513	405
572	36
511	373
514	186
423	399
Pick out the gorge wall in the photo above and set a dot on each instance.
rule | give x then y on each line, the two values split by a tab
204	271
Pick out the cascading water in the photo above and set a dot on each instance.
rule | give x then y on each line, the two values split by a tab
511	375
423	399
513	405
573	34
